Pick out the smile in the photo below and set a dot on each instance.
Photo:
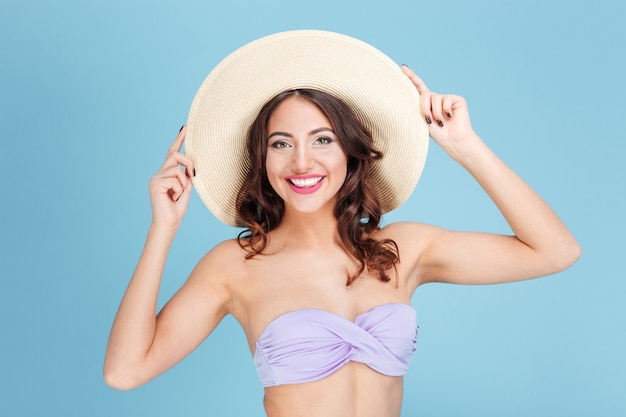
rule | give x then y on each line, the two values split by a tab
305	185
305	182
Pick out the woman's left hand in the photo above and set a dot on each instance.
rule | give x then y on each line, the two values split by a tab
542	244
447	116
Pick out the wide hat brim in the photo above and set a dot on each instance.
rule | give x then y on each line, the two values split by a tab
232	95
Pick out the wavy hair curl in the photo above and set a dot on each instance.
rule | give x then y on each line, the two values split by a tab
357	209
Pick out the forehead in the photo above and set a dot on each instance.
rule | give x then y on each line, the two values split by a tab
297	111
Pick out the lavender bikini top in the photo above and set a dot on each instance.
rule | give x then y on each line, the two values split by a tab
309	344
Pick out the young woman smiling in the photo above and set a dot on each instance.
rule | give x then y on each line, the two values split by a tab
321	290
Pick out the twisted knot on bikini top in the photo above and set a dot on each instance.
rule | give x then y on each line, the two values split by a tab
309	344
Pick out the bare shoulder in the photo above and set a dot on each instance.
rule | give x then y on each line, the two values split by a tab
215	270
411	233
222	261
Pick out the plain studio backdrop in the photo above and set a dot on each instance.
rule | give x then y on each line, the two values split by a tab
93	92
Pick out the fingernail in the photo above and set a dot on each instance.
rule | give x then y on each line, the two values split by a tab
181	128
429	120
449	115
440	123
181	194
194	172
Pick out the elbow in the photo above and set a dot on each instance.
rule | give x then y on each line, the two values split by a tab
567	255
573	253
576	251
116	379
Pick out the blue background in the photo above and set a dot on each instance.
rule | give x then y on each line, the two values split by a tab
93	93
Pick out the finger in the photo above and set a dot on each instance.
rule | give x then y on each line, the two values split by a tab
448	105
177	197
175	194
417	81
176	158
188	188
458	102
185	192
169	186
176	189
425	107
178	142
436	105
175	172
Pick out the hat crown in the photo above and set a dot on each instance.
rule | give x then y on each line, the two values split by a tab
232	95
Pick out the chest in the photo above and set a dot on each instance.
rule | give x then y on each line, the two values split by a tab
272	285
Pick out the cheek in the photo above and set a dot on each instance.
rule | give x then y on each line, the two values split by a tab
341	164
270	164
271	171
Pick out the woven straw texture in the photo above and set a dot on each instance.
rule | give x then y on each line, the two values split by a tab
367	80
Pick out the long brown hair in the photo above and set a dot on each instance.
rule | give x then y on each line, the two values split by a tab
357	209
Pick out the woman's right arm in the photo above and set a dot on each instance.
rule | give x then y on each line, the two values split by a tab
142	345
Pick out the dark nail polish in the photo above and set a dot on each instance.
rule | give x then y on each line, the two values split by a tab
449	115
181	194
440	123
194	172
181	129
429	120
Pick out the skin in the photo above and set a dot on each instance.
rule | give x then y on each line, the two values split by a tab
305	265
300	154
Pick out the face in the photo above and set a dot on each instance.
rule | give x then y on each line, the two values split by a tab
305	164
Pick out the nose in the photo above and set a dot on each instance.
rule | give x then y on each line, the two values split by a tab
302	161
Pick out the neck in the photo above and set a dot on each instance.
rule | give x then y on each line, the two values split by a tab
309	229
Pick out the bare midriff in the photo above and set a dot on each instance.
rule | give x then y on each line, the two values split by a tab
355	390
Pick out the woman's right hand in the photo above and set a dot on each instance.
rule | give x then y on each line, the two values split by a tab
170	187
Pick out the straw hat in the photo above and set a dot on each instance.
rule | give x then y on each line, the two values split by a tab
232	95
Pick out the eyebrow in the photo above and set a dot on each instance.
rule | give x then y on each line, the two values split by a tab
312	132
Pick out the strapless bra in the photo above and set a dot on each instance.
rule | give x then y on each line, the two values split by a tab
309	344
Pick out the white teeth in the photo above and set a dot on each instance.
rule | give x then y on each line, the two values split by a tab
305	183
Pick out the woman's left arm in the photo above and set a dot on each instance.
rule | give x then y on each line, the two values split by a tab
541	244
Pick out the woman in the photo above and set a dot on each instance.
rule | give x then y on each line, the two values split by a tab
321	291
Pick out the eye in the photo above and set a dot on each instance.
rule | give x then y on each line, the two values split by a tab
279	144
323	140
